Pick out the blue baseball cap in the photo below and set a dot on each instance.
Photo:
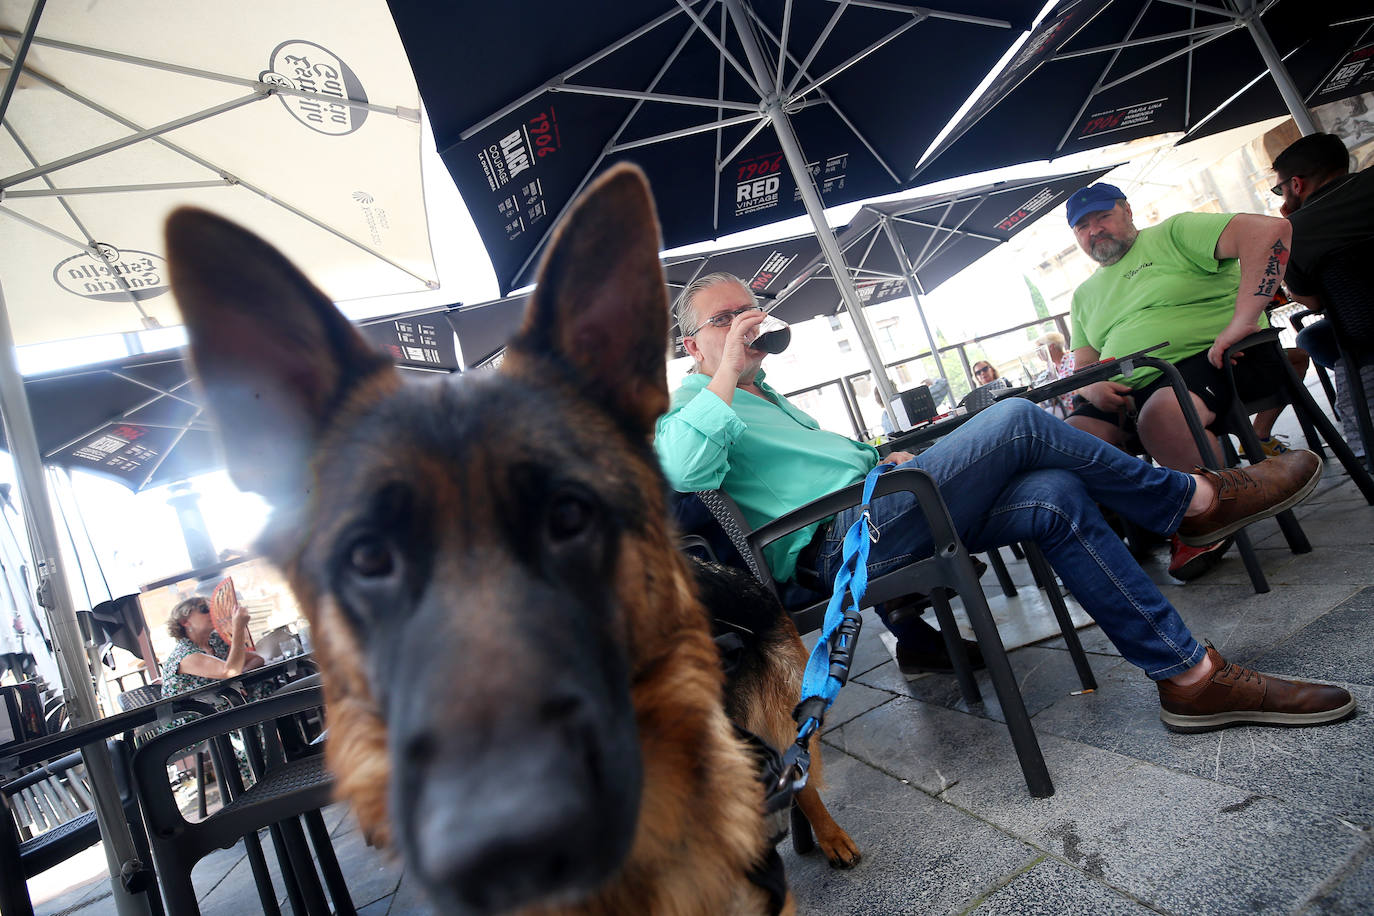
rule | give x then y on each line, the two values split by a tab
1101	196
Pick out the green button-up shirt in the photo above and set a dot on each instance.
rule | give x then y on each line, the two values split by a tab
766	454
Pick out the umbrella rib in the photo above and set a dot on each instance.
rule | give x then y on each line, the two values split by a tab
739	147
932	13
120	188
744	73
782	46
1200	7
133	138
937	230
579	89
840	7
836	71
966	232
1239	92
400	111
166	452
606	151
1188	80
1192	46
1097	86
839	112
17	68
210	166
570	72
87	246
1151	39
161	392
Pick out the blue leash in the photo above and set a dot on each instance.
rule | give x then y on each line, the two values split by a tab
828	668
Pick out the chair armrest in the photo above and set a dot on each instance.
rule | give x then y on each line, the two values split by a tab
1264	336
152	756
911	480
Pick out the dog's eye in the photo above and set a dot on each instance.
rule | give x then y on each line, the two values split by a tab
370	556
568	516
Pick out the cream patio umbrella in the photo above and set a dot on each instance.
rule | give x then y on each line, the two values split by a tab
299	119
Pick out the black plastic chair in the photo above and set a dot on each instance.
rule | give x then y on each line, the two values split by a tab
1315	426
1323	376
949	571
22	858
282	791
1346	276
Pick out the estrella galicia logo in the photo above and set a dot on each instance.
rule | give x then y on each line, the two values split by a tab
116	276
306	66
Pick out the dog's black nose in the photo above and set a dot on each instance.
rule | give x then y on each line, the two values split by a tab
537	801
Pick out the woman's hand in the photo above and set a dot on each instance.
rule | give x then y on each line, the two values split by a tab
240	620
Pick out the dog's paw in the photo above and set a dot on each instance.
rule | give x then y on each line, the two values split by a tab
839	849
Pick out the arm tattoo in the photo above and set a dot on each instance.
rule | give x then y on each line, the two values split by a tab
1273	270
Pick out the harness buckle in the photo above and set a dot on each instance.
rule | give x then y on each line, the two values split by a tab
873	532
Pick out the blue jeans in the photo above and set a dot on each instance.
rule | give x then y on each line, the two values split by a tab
1014	473
1319	340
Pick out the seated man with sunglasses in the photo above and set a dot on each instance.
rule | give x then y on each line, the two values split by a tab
1012	473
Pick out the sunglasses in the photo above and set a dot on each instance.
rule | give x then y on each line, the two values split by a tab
725	319
1277	190
982	370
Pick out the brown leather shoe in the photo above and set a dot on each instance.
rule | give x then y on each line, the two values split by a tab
1234	695
1246	495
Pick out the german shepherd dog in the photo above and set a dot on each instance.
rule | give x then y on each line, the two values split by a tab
523	693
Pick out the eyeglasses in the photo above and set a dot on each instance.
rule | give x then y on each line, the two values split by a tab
1277	190
982	370
725	319
203	609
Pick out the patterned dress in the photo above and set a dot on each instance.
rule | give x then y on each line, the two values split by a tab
174	682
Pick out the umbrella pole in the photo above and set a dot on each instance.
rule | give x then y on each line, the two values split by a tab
914	287
67	640
772	107
1291	96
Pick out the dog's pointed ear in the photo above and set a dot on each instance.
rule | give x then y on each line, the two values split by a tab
275	357
601	305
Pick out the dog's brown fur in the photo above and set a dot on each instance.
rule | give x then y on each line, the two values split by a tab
433	625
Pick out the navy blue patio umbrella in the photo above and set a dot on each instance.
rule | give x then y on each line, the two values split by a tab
1097	72
895	248
741	112
140	420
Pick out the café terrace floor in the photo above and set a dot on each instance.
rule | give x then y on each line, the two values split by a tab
1252	820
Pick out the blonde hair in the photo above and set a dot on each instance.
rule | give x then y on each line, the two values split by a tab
1051	337
183	610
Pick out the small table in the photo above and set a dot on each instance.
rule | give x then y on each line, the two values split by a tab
922	437
15	756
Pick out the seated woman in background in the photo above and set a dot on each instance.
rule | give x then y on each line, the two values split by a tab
984	372
200	656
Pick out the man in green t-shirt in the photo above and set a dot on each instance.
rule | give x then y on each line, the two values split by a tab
1197	280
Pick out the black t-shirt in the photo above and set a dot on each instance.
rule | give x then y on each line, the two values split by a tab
1338	213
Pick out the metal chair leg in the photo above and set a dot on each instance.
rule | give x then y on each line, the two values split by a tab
1023	738
329	864
999	569
1037	561
1358	471
954	645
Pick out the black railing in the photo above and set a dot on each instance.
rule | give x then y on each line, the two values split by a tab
961	383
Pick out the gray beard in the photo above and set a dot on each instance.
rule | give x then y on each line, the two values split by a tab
1109	250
